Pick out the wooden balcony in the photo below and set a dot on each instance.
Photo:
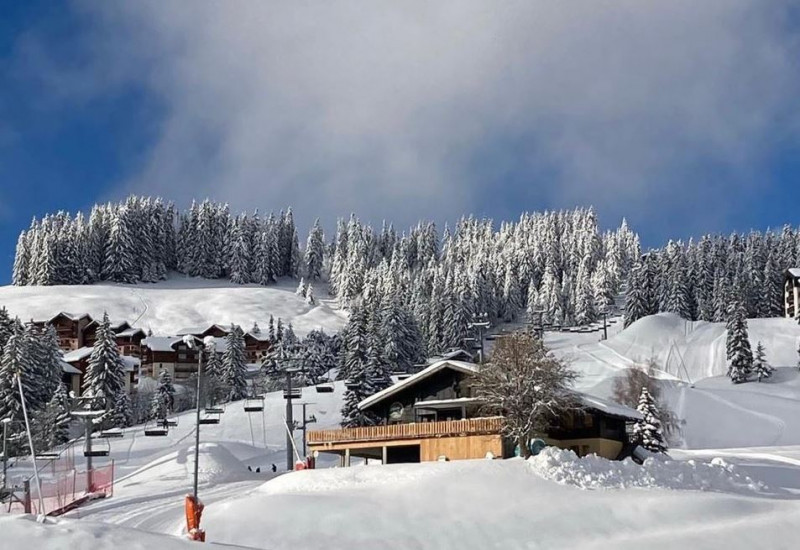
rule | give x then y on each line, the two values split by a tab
419	430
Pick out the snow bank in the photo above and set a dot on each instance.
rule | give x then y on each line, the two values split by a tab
24	532
593	472
354	478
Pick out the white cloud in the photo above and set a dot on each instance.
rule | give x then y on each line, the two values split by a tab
384	107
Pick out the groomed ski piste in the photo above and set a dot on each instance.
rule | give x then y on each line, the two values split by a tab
732	480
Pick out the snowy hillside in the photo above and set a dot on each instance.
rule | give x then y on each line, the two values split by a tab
690	358
179	302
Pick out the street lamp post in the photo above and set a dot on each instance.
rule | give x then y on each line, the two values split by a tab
6	422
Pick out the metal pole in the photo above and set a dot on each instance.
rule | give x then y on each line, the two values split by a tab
605	326
5	450
30	442
305	454
197	423
289	422
88	454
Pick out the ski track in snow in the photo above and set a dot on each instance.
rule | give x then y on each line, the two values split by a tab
779	423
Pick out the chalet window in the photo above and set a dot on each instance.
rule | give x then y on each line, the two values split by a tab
182	356
588	420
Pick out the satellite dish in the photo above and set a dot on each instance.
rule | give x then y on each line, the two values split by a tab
315	454
396	411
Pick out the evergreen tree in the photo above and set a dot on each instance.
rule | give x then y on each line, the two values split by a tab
647	431
635	303
310	295
122	414
60	417
163	400
234	364
105	373
239	258
740	356
315	249
761	368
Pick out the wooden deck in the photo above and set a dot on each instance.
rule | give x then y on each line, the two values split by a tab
419	430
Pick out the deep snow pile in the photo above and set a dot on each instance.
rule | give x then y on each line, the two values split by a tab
18	532
657	472
179	302
500	504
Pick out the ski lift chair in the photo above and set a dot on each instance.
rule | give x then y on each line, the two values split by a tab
324	387
214	410
160	429
254	404
95	453
44	457
296	393
351	385
113	433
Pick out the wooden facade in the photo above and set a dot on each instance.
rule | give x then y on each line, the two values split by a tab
69	328
435	415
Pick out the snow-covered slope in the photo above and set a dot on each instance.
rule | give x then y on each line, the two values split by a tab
513	504
690	360
176	303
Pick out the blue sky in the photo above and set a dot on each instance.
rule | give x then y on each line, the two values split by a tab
681	117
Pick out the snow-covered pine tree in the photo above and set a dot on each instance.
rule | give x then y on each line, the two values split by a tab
301	288
163	400
234	364
310	295
761	368
648	430
239	257
635	302
740	356
271	330
119	263
21	261
315	252
105	373
122	414
60	416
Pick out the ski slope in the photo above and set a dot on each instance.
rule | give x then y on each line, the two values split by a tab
689	358
169	306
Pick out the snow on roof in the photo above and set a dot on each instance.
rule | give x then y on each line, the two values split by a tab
77	354
127	333
131	363
70	316
449	355
161	343
609	407
69	369
794	272
461	366
261	336
200	330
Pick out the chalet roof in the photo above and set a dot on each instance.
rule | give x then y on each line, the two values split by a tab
77	355
161	343
261	336
452	354
166	343
127	333
460	366
794	272
70	316
609	408
201	330
66	368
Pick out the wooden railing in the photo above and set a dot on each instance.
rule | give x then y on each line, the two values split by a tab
471	426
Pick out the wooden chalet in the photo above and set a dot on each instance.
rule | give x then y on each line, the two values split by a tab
70	329
436	415
169	353
127	338
256	344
